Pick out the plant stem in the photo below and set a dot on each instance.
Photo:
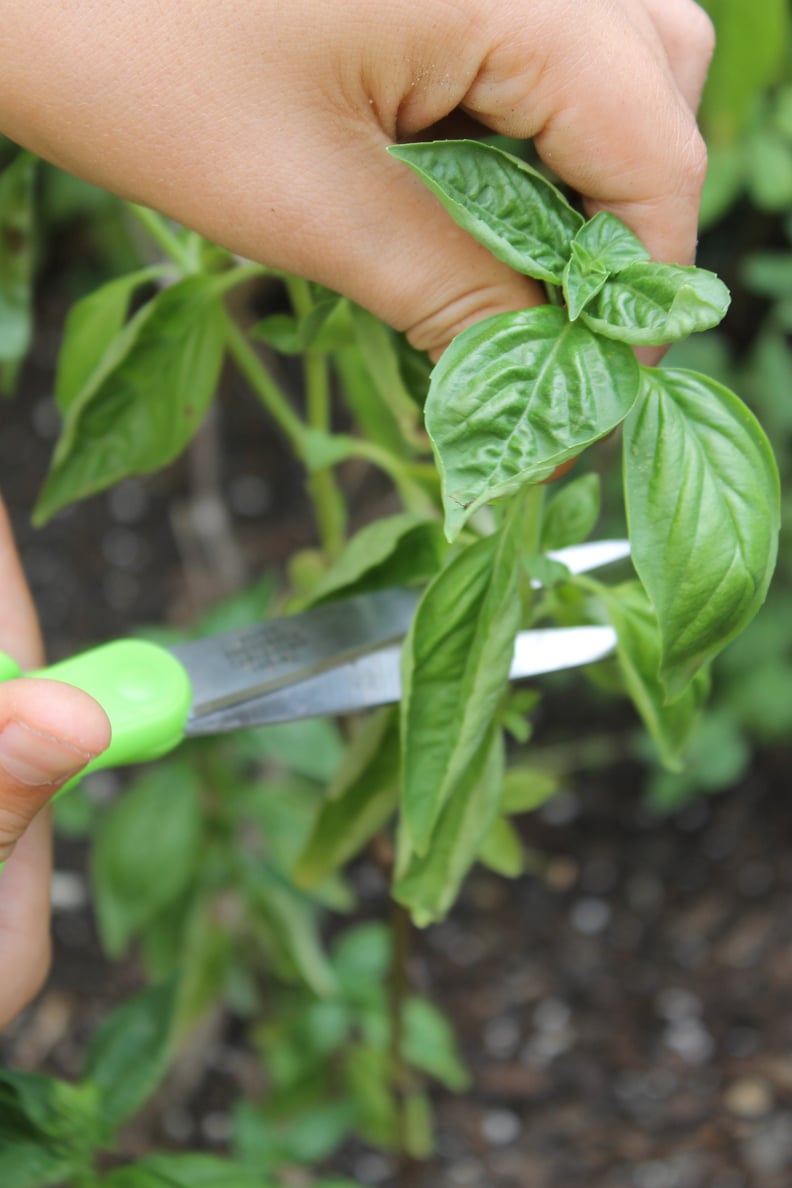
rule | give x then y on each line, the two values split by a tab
533	507
164	237
412	494
401	936
265	387
532	523
329	505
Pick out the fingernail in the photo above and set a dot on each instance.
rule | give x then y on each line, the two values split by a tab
37	759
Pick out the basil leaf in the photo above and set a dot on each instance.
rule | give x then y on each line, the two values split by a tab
521	217
321	450
607	241
702	498
288	921
359	802
395	551
144	860
526	789
516	395
28	1163
570	516
377	345
429	885
16	259
145	401
601	247
455	666
92	324
502	850
184	1171
429	1045
129	1054
650	304
66	1116
670	724
290	335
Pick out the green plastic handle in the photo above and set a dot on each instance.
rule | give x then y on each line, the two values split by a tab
143	689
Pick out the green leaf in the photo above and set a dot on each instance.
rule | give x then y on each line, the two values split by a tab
395	551
570	516
602	247
321	450
702	497
769	273
319	330
670	724
724	182
521	217
718	758
369	1077
185	1171
128	1055
16	257
91	326
28	1163
147	851
651	304
502	850
376	344
527	788
361	960
769	170
429	885
752	40
377	422
430	1046
312	748
359	802
271	1137
518	394
455	666
291	924
141	406
61	1120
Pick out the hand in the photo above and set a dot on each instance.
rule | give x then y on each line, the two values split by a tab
264	125
48	732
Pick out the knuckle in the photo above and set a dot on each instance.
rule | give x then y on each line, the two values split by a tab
693	160
12	826
700	33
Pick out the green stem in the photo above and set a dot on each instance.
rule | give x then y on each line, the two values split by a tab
265	387
401	935
412	494
533	509
329	506
164	237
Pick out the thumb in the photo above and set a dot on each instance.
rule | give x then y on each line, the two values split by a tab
49	731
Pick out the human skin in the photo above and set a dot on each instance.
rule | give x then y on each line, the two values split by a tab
264	126
48	732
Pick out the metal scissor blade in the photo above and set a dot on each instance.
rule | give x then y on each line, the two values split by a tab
593	554
228	669
375	679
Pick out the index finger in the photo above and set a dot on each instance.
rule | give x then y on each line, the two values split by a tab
19	631
593	87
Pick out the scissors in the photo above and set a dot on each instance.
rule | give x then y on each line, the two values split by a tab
335	659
